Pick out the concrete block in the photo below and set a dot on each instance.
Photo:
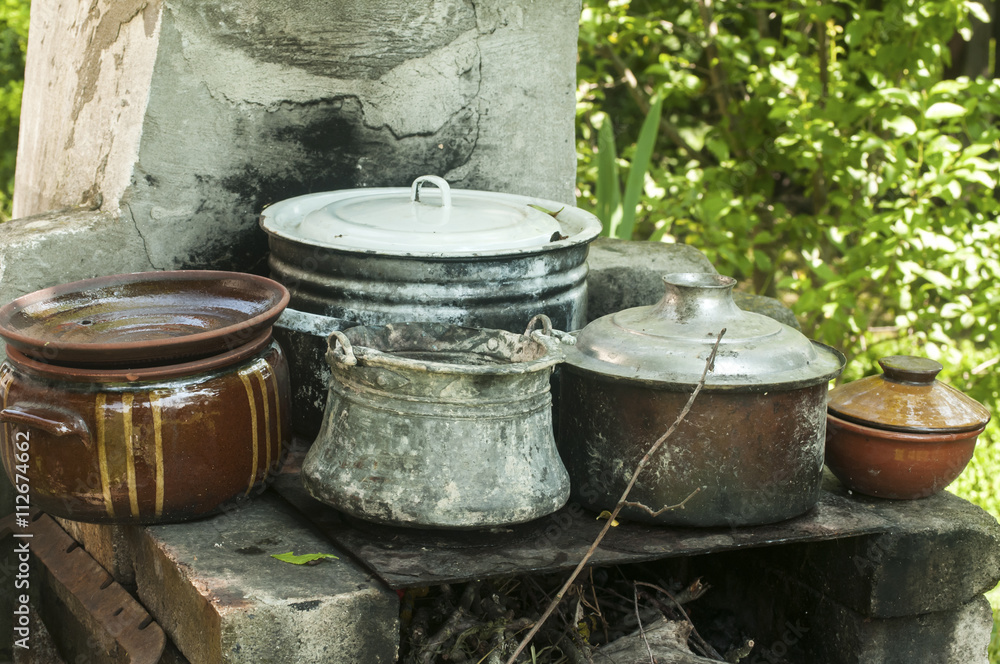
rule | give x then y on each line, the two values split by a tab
220	596
937	554
790	621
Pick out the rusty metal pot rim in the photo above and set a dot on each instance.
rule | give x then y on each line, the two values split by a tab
673	386
343	354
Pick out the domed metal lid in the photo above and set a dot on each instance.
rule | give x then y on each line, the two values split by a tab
424	222
907	397
668	343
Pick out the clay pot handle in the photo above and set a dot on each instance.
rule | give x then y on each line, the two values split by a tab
346	357
909	369
51	419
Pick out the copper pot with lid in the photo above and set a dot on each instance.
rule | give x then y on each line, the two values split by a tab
751	449
902	433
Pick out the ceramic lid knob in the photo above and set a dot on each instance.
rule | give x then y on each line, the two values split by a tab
910	369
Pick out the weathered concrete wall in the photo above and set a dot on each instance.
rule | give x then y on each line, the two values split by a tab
185	118
86	87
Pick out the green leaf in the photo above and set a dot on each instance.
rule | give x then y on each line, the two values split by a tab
637	173
304	559
901	126
943	110
608	189
978	11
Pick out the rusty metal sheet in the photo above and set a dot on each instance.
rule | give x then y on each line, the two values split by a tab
121	616
405	557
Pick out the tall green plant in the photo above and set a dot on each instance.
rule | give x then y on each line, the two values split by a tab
617	211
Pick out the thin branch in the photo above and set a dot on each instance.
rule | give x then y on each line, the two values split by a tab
638	620
711	652
665	508
720	89
709	365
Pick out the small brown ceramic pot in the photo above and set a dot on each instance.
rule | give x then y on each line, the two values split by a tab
901	434
895	464
147	445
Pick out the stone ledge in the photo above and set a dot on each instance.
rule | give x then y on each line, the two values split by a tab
939	555
220	596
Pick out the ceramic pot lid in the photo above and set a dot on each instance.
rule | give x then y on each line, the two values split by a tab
907	398
668	343
416	220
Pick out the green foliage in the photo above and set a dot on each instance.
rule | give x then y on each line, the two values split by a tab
815	151
13	45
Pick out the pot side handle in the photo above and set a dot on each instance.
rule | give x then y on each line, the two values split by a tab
343	356
548	331
51	419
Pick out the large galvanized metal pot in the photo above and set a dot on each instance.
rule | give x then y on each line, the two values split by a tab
438	426
383	255
751	449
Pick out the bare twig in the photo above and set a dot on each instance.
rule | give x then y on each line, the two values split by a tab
708	649
709	365
665	508
638	620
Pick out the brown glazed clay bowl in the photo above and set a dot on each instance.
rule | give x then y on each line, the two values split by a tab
896	464
148	445
143	319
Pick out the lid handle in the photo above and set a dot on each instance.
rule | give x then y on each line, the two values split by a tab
909	369
439	182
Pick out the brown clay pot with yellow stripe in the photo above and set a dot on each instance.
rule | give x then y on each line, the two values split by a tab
147	445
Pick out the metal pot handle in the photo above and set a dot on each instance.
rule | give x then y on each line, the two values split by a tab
348	358
439	182
51	419
547	330
546	324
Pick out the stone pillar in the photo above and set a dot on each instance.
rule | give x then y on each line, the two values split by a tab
183	118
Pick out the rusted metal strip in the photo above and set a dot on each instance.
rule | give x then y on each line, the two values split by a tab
117	612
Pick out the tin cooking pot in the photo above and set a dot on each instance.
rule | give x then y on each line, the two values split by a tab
439	426
751	449
432	254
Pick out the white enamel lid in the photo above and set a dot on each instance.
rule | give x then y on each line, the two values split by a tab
422	220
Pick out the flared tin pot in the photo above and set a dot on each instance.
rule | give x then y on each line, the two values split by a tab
438	426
